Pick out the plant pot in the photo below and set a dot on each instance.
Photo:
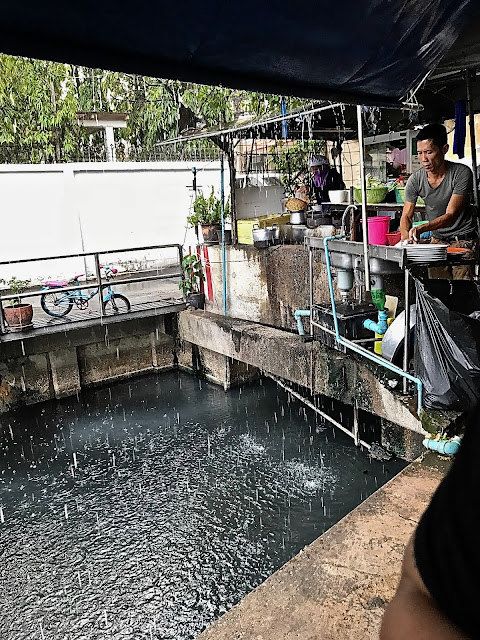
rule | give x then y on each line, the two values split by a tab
209	232
19	316
196	300
228	236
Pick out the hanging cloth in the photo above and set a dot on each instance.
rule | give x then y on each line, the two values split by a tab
460	128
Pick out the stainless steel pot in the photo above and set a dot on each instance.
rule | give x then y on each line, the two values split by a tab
262	237
297	217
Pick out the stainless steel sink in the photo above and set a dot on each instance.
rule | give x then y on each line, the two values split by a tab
339	260
379	267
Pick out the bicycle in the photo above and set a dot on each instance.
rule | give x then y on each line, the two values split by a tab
59	304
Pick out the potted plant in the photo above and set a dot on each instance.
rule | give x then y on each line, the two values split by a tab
18	314
190	283
207	212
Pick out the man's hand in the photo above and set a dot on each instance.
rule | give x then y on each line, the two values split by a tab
412	236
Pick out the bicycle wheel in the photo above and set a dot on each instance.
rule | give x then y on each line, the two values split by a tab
117	304
56	304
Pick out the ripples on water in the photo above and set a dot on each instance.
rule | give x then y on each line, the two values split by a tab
147	509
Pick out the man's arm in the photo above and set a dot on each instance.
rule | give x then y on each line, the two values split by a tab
454	207
406	219
412	613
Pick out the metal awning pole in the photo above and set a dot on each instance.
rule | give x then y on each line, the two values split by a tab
224	253
361	145
471	122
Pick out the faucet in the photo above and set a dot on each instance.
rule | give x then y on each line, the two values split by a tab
351	209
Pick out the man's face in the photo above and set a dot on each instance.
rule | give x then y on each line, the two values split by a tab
431	156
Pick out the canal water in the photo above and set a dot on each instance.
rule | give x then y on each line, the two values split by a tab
146	509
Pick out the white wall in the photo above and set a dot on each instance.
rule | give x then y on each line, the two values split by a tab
51	210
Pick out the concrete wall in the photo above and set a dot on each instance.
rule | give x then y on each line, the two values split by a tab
57	365
62	209
265	285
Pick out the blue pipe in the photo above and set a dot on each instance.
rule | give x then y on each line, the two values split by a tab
298	317
379	327
360	350
444	447
224	253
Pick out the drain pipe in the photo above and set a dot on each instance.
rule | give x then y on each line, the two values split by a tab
321	413
443	447
363	184
299	313
356	348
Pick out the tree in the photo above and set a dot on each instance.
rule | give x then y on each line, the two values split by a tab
37	106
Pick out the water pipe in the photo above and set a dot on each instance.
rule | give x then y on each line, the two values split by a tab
444	447
356	348
379	327
299	313
224	253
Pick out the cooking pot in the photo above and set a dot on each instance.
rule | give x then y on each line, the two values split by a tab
262	237
297	217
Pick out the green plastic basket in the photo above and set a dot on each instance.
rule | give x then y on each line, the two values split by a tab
400	196
374	194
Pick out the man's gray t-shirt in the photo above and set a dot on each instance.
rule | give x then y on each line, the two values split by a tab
458	180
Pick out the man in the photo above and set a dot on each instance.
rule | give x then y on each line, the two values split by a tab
446	188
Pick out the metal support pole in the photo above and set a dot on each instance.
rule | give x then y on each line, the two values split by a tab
310	284
100	289
3	328
361	145
471	122
406	330
224	253
356	437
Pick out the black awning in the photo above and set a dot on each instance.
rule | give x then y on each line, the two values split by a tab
370	51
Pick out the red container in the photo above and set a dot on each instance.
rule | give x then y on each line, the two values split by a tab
393	238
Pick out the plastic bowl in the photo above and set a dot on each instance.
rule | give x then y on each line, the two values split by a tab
393	238
375	195
338	196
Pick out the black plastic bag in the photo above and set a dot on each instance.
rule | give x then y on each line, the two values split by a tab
447	343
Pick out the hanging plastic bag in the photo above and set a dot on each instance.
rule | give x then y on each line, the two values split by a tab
447	343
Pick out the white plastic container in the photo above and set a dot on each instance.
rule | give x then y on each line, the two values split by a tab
339	196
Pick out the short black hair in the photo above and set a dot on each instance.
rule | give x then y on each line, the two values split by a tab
435	132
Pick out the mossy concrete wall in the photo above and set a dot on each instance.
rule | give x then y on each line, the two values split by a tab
324	371
268	285
41	368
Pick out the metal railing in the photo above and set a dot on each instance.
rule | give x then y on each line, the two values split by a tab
98	282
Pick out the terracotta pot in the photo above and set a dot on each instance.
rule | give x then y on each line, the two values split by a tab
209	232
196	300
19	317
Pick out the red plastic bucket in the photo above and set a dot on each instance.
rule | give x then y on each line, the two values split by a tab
377	229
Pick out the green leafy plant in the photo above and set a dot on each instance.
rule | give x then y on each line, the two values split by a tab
208	210
17	287
192	274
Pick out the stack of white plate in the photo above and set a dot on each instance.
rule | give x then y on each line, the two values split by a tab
427	252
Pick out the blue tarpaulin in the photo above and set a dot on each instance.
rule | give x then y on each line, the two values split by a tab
370	51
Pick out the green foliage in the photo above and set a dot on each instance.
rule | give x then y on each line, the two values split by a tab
39	102
192	274
17	287
208	210
291	161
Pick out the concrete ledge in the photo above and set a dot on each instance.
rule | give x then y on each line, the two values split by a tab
337	587
311	365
